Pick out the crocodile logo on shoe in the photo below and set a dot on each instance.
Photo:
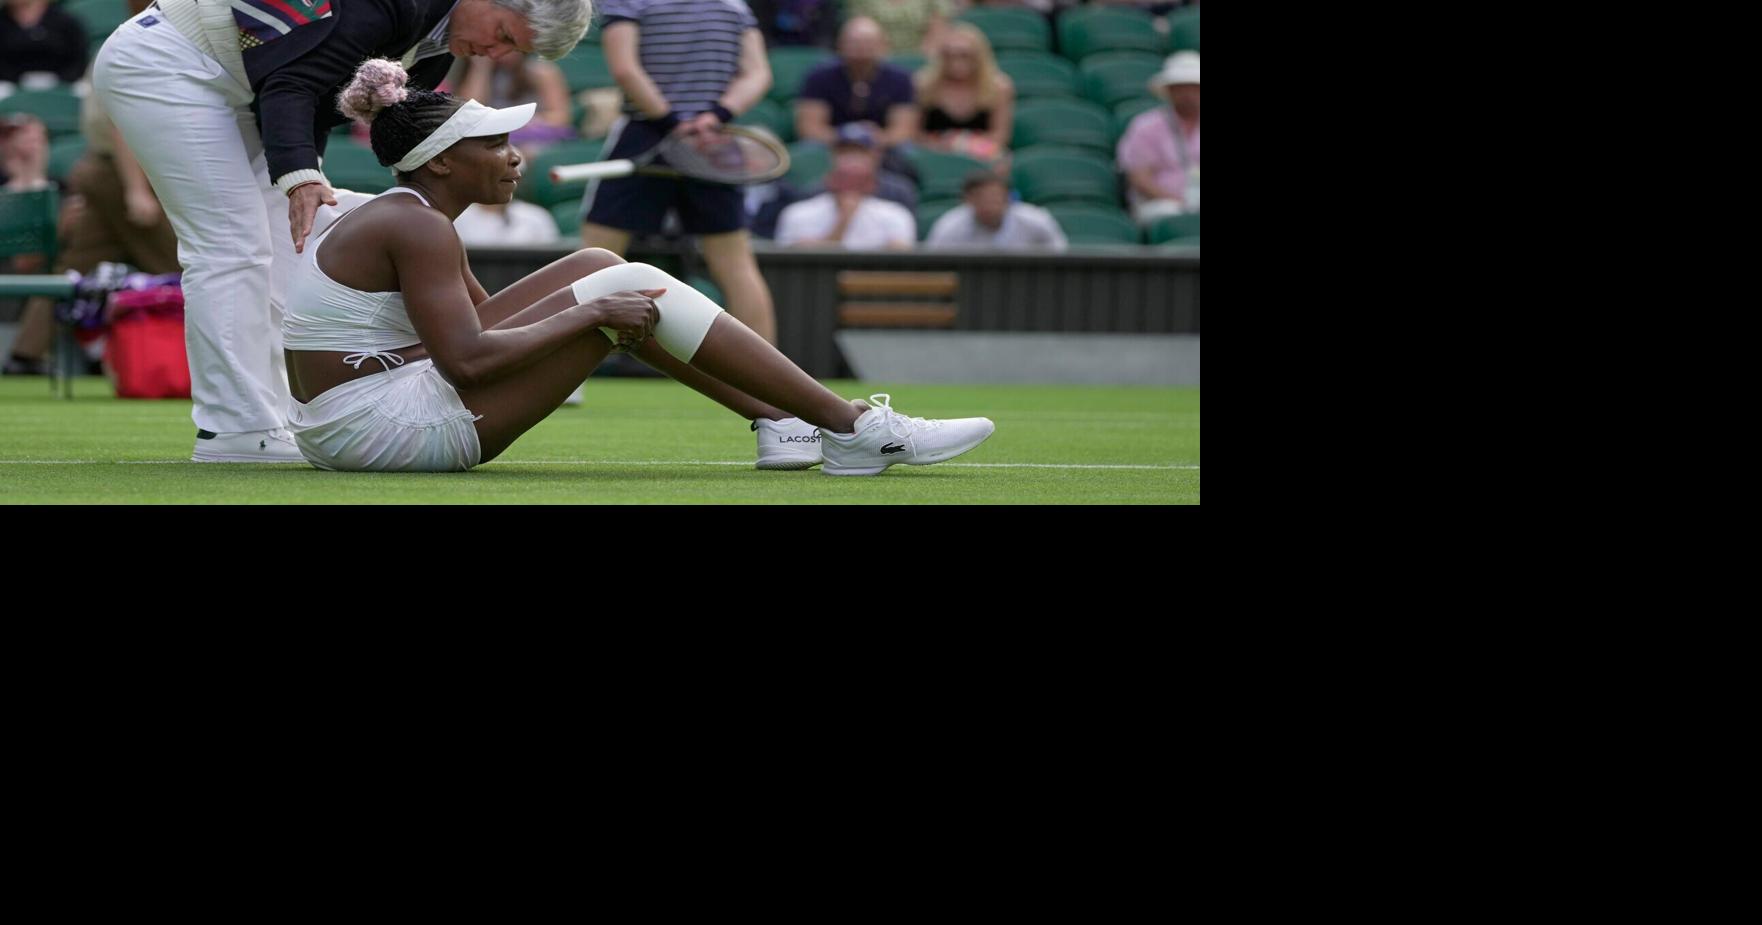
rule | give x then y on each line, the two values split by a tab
263	444
892	448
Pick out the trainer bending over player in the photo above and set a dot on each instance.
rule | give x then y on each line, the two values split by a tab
228	105
399	360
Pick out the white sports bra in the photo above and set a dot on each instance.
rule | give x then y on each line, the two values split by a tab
323	314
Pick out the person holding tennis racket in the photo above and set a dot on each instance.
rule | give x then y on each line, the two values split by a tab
227	105
398	359
687	67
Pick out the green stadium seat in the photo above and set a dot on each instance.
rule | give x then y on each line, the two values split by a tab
1170	228
1040	74
772	115
1184	30
535	184
1062	122
585	68
1045	177
1010	28
929	211
1124	113
353	166
940	174
1089	30
789	66
1083	151
27	224
63	153
1118	76
100	17
1088	224
58	107
568	217
910	62
808	163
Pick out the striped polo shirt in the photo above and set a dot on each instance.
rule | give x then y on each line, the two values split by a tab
689	48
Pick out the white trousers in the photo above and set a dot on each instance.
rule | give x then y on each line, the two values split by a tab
190	125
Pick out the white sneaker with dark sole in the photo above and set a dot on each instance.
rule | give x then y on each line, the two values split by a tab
265	446
791	443
883	437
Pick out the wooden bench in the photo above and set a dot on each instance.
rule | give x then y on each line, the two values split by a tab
878	299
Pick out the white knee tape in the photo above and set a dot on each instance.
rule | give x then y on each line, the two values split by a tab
686	314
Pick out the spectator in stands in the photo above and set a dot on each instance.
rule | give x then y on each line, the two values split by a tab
515	80
685	66
112	215
766	202
513	222
1159	152
24	163
849	214
24	153
986	218
797	22
39	39
968	104
859	87
888	185
910	25
24	168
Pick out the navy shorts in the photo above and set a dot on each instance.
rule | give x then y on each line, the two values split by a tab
639	203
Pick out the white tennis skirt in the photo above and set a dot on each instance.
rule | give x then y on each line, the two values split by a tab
408	419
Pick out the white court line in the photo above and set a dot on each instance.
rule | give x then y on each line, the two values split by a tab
1060	466
593	462
705	462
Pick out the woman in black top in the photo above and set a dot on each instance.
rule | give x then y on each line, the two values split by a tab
968	104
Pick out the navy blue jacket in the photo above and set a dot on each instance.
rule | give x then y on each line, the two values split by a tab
298	73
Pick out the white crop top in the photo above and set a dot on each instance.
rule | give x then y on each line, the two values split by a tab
323	314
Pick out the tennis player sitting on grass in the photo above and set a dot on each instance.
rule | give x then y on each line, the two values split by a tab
399	360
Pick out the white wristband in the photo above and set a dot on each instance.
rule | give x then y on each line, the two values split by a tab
288	181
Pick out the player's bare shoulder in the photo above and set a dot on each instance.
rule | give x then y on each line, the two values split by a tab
389	222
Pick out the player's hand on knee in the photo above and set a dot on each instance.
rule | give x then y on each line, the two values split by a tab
631	312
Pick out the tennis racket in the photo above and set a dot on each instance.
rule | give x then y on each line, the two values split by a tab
732	154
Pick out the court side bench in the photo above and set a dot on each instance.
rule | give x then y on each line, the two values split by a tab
897	298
